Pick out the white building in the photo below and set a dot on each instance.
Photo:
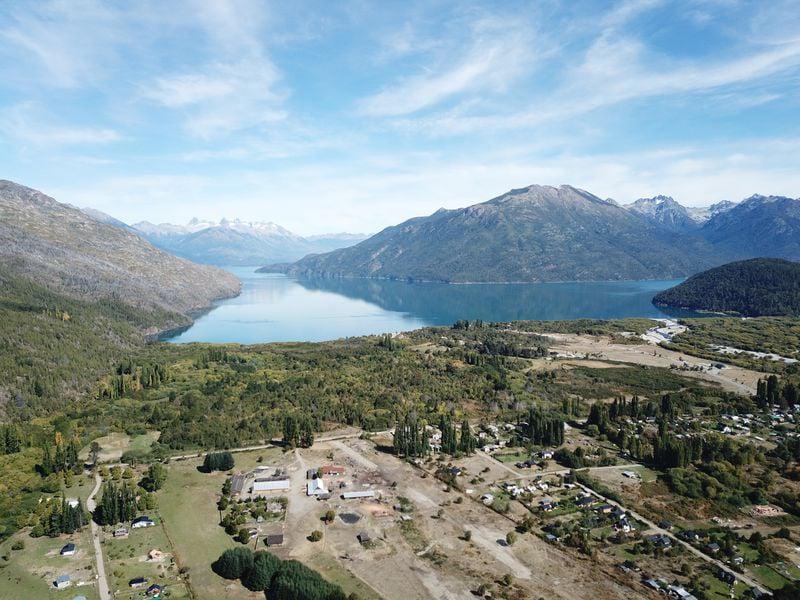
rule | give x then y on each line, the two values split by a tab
270	485
355	495
316	487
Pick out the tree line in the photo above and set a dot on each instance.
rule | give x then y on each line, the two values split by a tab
281	579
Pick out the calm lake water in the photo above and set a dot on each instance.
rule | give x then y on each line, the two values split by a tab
276	308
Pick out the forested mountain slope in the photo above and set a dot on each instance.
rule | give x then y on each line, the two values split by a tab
757	287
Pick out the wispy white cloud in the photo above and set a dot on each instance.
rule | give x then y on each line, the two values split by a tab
63	44
27	124
226	97
614	70
497	53
239	88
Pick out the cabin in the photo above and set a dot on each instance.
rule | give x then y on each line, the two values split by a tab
547	504
68	550
726	576
137	582
660	540
274	539
712	548
140	522
61	582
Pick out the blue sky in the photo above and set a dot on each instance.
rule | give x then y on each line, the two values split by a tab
351	116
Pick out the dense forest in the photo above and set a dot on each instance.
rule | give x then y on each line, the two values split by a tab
752	288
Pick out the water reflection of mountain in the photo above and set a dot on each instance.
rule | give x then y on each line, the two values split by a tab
441	303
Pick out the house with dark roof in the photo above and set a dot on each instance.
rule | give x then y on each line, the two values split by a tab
660	540
138	582
273	539
68	550
143	521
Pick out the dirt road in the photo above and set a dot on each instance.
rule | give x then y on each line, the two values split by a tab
102	581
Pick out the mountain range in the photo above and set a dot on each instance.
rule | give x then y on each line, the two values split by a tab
234	242
63	249
545	233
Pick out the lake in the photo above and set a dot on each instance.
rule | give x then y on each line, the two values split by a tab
277	308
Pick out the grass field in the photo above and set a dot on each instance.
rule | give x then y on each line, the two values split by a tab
126	559
188	507
29	573
114	445
336	573
512	457
769	577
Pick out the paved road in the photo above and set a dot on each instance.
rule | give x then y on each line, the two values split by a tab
102	581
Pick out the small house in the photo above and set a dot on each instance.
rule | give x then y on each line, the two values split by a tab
155	590
137	582
726	576
68	550
121	532
604	508
333	470
363	537
62	581
660	540
273	539
712	547
140	522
